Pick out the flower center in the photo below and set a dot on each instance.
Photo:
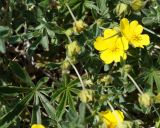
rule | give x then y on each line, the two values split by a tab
136	38
115	49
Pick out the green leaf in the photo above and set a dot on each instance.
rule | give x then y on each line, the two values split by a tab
62	105
13	89
57	93
44	42
36	112
153	75
21	73
4	31
52	26
42	81
15	111
70	101
2	46
82	110
47	106
90	5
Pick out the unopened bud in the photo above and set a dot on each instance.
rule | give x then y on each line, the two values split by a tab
121	9
145	100
107	79
127	68
79	26
88	82
100	21
65	65
68	32
85	95
137	5
73	49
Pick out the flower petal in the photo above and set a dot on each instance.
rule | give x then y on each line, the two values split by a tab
107	56
145	39
100	43
122	43
109	33
136	27
124	24
118	55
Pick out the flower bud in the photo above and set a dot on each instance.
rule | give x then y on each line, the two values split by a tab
127	68
73	49
85	95
121	9
68	32
79	26
107	79
137	5
65	65
88	82
145	100
99	21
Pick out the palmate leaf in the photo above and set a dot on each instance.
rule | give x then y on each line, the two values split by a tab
75	119
64	96
153	75
7	119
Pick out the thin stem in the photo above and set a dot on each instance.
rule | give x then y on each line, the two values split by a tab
156	111
138	88
136	85
70	11
152	32
69	38
82	84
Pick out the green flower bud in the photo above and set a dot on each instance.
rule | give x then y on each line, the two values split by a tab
85	95
121	9
73	49
65	65
99	21
145	100
88	83
127	68
68	32
107	79
79	26
137	5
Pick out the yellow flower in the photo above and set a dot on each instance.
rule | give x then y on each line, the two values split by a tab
132	31
37	126
112	46
112	119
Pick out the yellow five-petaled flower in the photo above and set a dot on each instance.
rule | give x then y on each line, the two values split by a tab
133	32
112	46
